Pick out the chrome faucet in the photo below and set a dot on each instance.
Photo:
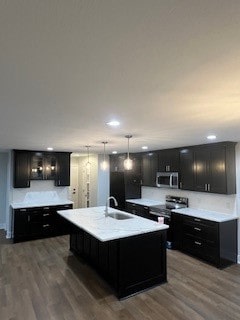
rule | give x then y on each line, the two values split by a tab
107	204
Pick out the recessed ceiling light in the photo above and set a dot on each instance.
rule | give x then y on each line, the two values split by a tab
50	149
113	123
114	152
211	137
144	147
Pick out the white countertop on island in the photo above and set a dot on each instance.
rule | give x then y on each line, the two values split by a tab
205	214
93	221
145	202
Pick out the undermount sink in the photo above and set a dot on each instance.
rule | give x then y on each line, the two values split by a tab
118	216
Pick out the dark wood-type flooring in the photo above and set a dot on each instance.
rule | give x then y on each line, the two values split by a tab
42	279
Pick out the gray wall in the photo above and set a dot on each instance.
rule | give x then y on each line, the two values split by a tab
3	187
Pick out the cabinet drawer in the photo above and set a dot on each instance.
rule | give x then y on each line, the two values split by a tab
199	222
201	248
203	232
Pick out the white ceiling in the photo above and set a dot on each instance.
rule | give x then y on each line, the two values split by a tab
168	70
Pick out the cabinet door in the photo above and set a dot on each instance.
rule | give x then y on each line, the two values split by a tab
168	160
201	155
149	169
49	166
37	166
21	230
177	230
35	222
63	169
116	162
217	170
21	169
187	169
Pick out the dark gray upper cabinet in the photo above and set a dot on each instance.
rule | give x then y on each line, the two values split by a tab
21	176
40	165
187	175
215	168
62	169
149	168
43	166
168	160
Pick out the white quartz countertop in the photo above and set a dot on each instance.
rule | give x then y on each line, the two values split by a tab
19	205
93	221
145	202
205	214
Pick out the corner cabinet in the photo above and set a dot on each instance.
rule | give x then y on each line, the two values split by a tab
40	165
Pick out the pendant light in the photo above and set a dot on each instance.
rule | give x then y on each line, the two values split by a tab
104	163
128	163
88	164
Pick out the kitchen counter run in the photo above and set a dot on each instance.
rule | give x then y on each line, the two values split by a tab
145	202
20	205
93	221
205	214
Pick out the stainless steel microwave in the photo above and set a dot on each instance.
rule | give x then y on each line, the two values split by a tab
167	180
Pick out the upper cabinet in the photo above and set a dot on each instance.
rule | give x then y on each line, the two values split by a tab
43	166
186	172
63	169
40	165
215	169
21	177
149	168
168	160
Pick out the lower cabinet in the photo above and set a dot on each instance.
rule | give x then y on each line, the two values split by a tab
39	222
214	242
129	264
139	210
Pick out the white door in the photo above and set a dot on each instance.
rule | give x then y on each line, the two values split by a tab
74	187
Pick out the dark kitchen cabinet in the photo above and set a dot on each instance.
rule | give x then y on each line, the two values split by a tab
149	168
138	210
39	222
116	162
213	242
62	169
168	160
215	169
187	174
22	169
130	264
43	166
125	184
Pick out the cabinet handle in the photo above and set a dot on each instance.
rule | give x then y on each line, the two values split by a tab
145	208
205	187
180	185
196	219
28	218
133	205
198	243
28	183
46	225
209	187
197	229
22	210
45	208
59	182
46	214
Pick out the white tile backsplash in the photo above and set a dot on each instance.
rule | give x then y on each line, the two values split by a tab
40	190
197	200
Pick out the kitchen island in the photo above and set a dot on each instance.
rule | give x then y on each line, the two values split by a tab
127	250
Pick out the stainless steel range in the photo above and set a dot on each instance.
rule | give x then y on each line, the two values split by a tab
171	202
